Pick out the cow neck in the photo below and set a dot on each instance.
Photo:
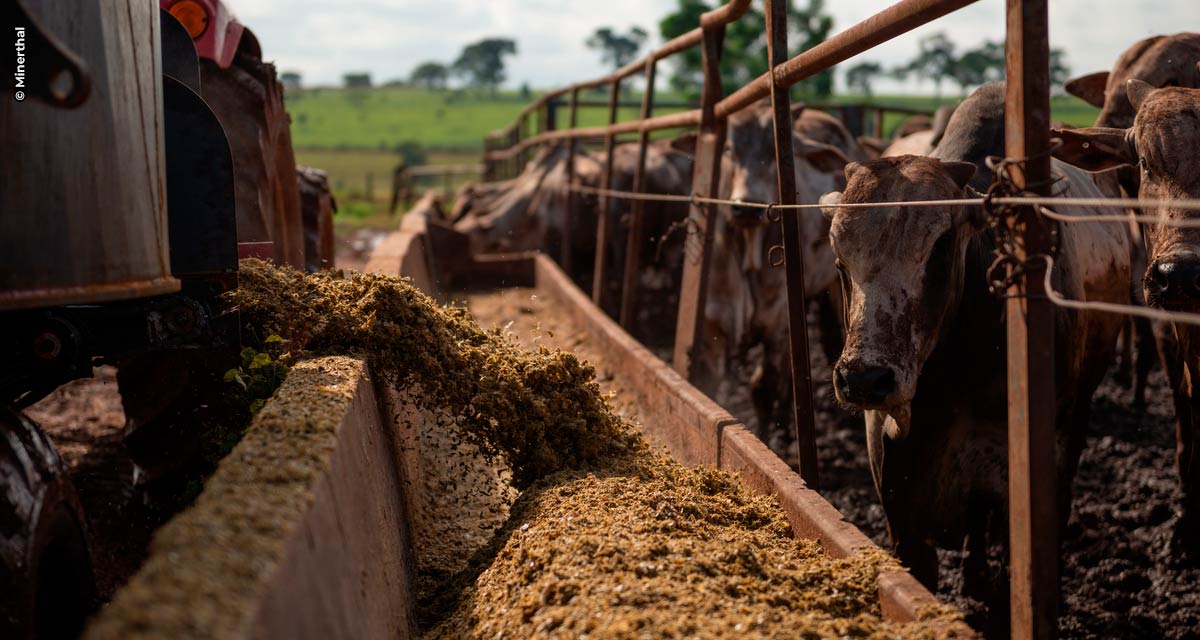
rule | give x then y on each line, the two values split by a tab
970	350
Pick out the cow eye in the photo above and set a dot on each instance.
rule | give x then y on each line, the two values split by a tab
1143	166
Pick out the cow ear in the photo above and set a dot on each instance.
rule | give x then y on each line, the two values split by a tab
1138	91
873	145
1093	148
831	198
825	157
685	143
797	109
1089	88
960	172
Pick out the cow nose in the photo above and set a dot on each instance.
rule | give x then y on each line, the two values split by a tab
1174	281
868	386
745	213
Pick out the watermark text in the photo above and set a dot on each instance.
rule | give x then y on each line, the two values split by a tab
19	73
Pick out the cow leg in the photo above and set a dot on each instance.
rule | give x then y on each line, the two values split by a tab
1185	542
977	582
1123	374
1147	353
1185	416
918	555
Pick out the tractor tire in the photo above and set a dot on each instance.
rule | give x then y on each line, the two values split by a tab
247	98
47	588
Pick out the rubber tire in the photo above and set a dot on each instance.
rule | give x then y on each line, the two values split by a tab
47	588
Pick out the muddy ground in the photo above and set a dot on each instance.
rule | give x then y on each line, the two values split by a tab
1119	581
85	420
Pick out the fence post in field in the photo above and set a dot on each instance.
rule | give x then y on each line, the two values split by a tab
601	275
633	247
1033	525
793	243
698	242
877	123
370	187
489	165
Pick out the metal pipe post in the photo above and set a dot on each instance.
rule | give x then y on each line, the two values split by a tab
568	234
1032	468
601	275
793	241
633	245
706	181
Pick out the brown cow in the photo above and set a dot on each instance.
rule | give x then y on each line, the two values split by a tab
1161	61
1161	144
747	302
925	350
512	217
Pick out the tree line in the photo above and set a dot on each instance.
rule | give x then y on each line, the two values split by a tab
481	65
938	60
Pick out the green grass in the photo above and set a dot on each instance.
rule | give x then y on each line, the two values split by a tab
385	117
1068	109
380	119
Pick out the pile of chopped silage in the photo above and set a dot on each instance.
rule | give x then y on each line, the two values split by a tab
650	549
541	410
608	538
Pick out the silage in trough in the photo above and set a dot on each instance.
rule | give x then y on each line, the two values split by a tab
608	539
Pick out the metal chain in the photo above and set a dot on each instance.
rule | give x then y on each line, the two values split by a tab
1007	269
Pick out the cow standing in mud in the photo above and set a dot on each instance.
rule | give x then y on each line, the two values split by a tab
925	348
747	303
1161	144
1161	61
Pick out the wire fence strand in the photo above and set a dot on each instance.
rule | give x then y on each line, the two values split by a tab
1187	204
1149	313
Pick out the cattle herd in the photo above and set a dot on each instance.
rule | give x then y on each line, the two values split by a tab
915	338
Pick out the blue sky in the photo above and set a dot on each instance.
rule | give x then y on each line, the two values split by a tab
325	38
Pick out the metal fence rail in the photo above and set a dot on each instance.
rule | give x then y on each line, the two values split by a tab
1031	300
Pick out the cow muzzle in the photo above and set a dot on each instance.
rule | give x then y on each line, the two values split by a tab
746	215
865	386
1173	283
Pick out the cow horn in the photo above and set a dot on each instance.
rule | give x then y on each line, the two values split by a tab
1137	91
851	169
831	198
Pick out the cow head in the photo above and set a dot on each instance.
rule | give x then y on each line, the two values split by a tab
1161	144
520	216
749	176
904	266
1161	61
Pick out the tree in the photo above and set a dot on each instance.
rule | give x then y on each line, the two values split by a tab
615	48
1059	71
290	79
744	56
482	63
357	80
431	75
935	61
860	75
